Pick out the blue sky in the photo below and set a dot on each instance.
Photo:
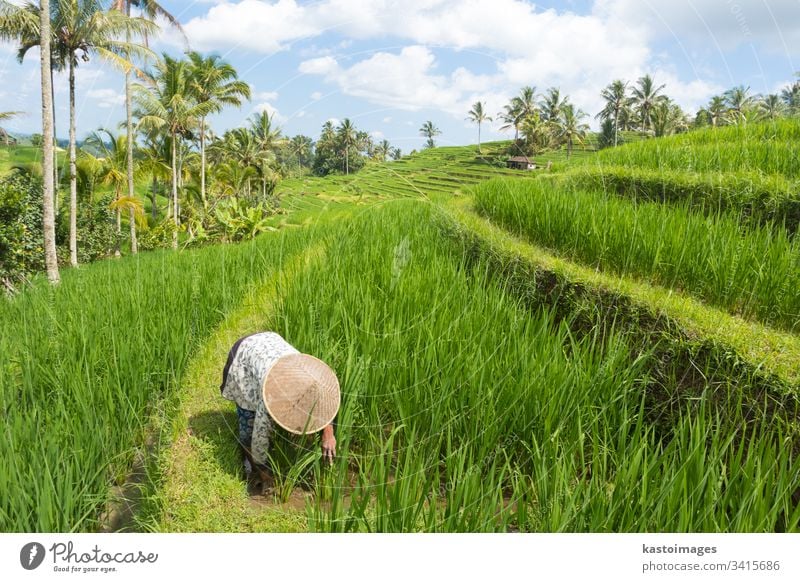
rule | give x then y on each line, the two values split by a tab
390	66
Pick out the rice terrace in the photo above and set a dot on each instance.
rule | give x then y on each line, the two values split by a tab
606	342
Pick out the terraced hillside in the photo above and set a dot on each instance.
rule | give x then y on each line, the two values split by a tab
518	351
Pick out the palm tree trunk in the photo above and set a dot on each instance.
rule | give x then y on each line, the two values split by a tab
153	200
48	151
129	126
203	161
55	140
479	137
175	191
346	161
73	171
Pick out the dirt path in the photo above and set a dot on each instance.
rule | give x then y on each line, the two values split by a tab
203	489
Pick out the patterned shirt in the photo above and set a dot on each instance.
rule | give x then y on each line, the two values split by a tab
248	363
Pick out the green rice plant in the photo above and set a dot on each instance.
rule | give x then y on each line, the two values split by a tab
769	147
756	197
753	272
84	363
463	410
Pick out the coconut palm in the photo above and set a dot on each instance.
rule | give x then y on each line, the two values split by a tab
113	159
300	146
48	150
382	150
268	139
645	96
429	131
5	116
668	118
347	137
170	106
82	28
738	101
716	111
478	115
550	107
791	97
569	127
214	82
150	10
617	105
772	107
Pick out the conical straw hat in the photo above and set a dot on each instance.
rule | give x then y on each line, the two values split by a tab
301	393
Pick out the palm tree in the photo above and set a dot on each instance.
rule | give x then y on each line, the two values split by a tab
552	104
739	102
80	28
518	109
347	137
49	218
716	110
150	10
646	95
214	82
791	97
5	116
617	104
169	106
429	130
268	139
478	115
668	118
772	107
569	127
113	159
300	146
382	150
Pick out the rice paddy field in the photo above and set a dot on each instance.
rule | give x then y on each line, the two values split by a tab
518	351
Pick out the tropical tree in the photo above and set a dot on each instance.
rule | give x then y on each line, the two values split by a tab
569	128
112	157
791	97
550	107
48	149
738	101
81	28
347	138
216	83
268	139
429	131
478	115
646	95
149	10
5	116
518	109
617	105
382	150
301	147
170	106
772	107
668	118
537	133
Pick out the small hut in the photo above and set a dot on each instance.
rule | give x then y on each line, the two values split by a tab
520	163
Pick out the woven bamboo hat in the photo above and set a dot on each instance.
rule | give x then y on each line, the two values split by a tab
301	393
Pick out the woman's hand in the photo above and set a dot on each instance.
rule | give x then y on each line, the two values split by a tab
328	444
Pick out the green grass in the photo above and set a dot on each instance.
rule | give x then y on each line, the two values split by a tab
82	363
754	273
767	148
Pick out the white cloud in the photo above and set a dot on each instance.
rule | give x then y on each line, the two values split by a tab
265	95
387	120
272	111
722	23
106	98
316	95
376	135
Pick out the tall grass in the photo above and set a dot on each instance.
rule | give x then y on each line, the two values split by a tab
754	272
82	364
769	147
757	198
463	411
